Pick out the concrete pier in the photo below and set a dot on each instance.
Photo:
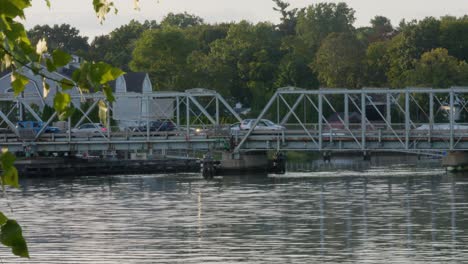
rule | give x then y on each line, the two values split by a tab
257	161
242	163
86	167
456	161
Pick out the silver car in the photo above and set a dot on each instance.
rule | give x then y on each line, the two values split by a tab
89	129
263	124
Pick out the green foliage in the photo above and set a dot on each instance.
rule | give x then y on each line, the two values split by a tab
377	64
339	61
163	54
117	47
181	20
63	37
18	54
288	17
438	69
454	36
12	236
61	101
10	232
47	112
58	59
317	21
18	82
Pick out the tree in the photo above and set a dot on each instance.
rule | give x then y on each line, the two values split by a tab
454	36
247	59
288	17
377	64
294	71
163	54
181	20
382	29
339	61
437	68
317	21
117	47
64	37
408	46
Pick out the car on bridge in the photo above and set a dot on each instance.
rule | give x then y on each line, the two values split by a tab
263	124
156	126
89	129
36	126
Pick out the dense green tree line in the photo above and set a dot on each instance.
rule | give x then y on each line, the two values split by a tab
315	46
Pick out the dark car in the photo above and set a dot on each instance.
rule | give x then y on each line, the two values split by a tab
157	126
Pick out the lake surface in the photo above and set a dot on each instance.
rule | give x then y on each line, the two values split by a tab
379	215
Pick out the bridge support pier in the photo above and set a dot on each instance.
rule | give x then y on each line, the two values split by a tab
456	161
244	162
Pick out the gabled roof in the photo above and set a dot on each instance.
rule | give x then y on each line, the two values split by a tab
67	71
134	81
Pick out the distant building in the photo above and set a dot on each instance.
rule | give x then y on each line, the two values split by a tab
34	93
132	109
129	109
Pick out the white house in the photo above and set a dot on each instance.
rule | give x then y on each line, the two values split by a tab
34	93
132	107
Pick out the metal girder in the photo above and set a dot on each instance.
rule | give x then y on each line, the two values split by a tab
30	110
44	126
292	109
202	109
85	114
9	123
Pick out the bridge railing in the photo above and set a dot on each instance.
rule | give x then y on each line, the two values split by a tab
369	118
193	112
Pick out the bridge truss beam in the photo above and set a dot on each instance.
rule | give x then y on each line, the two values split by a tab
406	120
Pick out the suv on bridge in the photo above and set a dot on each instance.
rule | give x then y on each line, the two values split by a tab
156	126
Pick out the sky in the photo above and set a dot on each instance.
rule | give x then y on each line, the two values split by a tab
79	13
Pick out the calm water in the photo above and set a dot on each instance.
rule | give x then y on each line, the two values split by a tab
391	215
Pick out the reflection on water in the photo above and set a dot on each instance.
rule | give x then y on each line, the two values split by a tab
379	215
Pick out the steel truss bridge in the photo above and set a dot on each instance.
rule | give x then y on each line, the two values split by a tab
412	120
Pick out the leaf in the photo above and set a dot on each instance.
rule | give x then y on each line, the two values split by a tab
105	73
3	219
50	65
12	236
108	93
10	177
76	75
103	111
7	160
14	8
60	58
10	173
45	87
61	101
65	114
47	3
18	82
102	7
67	84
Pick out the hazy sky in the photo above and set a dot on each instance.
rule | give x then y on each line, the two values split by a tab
79	13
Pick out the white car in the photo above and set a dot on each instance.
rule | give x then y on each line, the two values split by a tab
263	124
89	129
